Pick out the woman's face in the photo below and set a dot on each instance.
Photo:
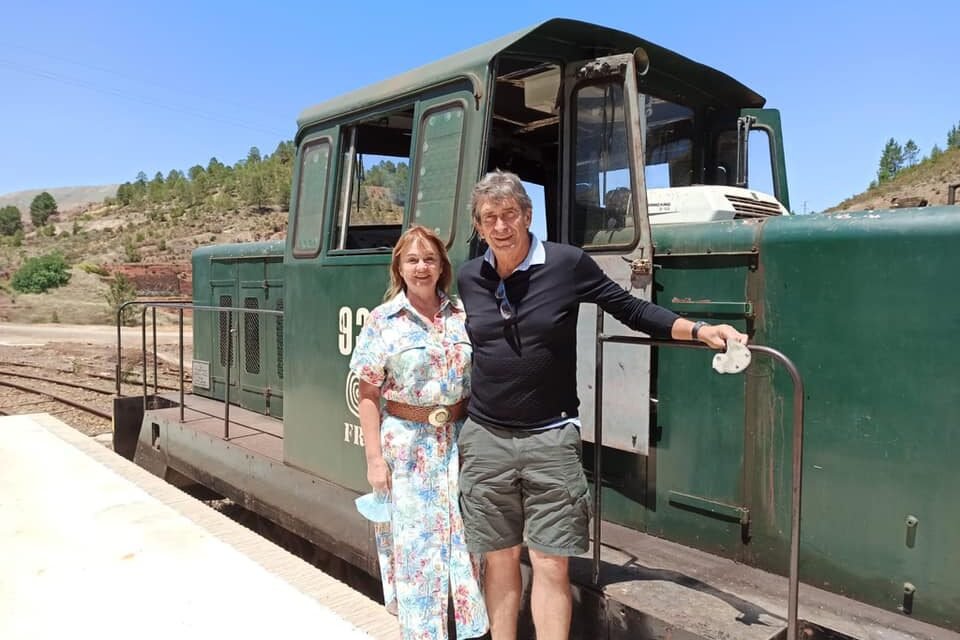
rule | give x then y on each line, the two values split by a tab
420	268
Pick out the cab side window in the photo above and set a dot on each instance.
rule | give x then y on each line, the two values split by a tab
374	182
311	197
437	168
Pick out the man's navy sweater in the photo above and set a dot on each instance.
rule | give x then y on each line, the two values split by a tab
524	373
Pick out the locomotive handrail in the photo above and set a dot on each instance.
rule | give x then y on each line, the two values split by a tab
180	306
797	480
120	310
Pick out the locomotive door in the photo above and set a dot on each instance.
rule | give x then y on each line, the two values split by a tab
700	472
605	212
224	294
371	175
250	343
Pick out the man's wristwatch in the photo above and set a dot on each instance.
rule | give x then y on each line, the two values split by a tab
696	329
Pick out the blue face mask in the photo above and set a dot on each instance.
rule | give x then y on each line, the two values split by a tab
374	506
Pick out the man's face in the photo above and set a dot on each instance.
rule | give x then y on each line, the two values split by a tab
503	224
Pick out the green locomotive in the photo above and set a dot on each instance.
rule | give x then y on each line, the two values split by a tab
672	175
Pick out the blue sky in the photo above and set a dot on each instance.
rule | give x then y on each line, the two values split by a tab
93	92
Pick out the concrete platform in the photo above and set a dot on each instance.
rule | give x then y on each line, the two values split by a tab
93	546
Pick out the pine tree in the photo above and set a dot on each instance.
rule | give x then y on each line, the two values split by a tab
891	161
953	137
42	207
910	153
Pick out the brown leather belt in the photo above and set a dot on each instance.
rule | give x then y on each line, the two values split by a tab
436	415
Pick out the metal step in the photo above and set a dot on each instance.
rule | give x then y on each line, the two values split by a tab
655	589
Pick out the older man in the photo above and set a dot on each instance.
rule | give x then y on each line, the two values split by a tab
522	479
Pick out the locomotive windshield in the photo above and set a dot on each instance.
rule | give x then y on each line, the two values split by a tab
602	197
669	144
684	144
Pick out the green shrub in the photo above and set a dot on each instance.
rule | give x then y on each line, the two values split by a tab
41	273
95	269
130	251
10	221
122	290
48	230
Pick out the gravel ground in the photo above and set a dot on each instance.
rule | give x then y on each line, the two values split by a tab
84	354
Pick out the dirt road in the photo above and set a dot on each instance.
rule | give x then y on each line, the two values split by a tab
12	334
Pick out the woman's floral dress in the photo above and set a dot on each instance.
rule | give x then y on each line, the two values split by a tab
423	555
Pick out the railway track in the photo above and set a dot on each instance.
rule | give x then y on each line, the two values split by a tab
129	380
31	381
83	406
63	383
57	397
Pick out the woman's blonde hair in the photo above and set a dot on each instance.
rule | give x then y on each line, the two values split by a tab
417	233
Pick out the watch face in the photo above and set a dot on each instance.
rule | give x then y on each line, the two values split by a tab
734	360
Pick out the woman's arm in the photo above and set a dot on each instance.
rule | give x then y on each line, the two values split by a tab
378	473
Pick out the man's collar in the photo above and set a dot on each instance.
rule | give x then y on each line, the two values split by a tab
535	255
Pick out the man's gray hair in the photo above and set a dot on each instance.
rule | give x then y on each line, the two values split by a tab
498	186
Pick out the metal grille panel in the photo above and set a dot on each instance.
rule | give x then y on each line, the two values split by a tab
280	340
225	301
750	208
251	336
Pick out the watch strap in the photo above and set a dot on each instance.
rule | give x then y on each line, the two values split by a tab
696	328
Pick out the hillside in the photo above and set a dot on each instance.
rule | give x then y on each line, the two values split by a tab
67	197
104	238
928	180
148	229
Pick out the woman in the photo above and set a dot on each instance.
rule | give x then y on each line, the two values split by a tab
414	354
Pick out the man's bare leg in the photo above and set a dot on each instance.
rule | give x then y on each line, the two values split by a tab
550	598
502	591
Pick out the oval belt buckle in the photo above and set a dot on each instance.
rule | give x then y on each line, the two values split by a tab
439	416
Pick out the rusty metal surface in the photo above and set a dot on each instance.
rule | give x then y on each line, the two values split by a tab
254	441
796	451
720	598
239	418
